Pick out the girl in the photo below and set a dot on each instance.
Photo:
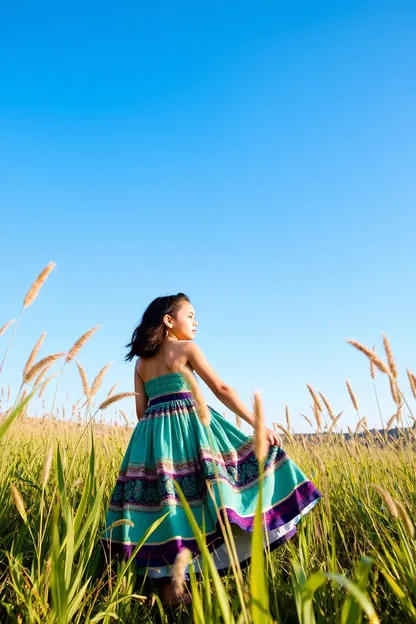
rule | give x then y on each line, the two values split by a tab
170	443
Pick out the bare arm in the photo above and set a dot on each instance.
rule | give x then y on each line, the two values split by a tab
222	391
141	398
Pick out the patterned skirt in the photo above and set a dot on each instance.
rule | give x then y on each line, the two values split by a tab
170	444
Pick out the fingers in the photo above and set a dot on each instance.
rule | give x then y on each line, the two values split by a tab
274	438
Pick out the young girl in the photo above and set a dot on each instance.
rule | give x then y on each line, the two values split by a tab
169	443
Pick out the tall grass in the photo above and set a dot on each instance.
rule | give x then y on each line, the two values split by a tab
353	559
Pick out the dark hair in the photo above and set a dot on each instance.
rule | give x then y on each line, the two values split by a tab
149	334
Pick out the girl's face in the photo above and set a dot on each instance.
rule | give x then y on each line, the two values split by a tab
183	325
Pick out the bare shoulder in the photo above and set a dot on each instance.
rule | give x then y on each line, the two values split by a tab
138	367
191	350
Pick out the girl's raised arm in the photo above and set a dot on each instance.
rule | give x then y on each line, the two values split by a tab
222	391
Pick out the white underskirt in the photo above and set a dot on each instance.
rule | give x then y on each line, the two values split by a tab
242	540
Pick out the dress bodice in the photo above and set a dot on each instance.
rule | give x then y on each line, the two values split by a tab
165	384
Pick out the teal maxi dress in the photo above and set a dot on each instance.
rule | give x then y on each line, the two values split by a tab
170	444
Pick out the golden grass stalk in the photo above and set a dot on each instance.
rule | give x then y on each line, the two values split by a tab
84	379
6	326
394	391
32	357
111	391
314	397
282	429
390	359
97	383
317	414
287	414
327	405
121	522
81	342
308	420
46	383
115	398
261	445
179	568
387	500
391	421
334	421
33	291
19	502
366	429
9	392
41	364
126	420
238	421
412	382
352	396
371	355
372	367
359	425
201	407
47	466
405	519
42	374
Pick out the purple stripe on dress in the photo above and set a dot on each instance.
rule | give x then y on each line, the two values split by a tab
165	398
164	554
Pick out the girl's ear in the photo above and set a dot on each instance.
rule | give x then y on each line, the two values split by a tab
168	321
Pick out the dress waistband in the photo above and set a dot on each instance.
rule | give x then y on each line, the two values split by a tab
165	398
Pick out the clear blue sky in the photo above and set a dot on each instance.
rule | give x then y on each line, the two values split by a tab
258	156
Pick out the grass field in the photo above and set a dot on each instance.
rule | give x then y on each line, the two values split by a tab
354	558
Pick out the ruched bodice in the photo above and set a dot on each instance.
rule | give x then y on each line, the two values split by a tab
166	384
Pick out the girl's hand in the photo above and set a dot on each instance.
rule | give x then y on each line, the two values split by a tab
273	438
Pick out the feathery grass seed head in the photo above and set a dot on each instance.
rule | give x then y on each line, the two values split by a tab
115	398
97	383
33	291
33	354
80	343
261	445
387	500
6	326
37	368
179	569
352	396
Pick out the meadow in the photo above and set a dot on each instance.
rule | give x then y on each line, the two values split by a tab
353	559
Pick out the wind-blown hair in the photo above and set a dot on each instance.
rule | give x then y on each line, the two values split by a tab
149	334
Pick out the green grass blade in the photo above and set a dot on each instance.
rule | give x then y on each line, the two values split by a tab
221	595
259	592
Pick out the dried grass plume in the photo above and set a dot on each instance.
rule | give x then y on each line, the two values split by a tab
261	445
115	398
352	396
80	343
33	291
371	355
48	360
389	354
179	568
97	383
200	404
6	326
33	354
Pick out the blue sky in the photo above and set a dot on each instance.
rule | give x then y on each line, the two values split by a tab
258	156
